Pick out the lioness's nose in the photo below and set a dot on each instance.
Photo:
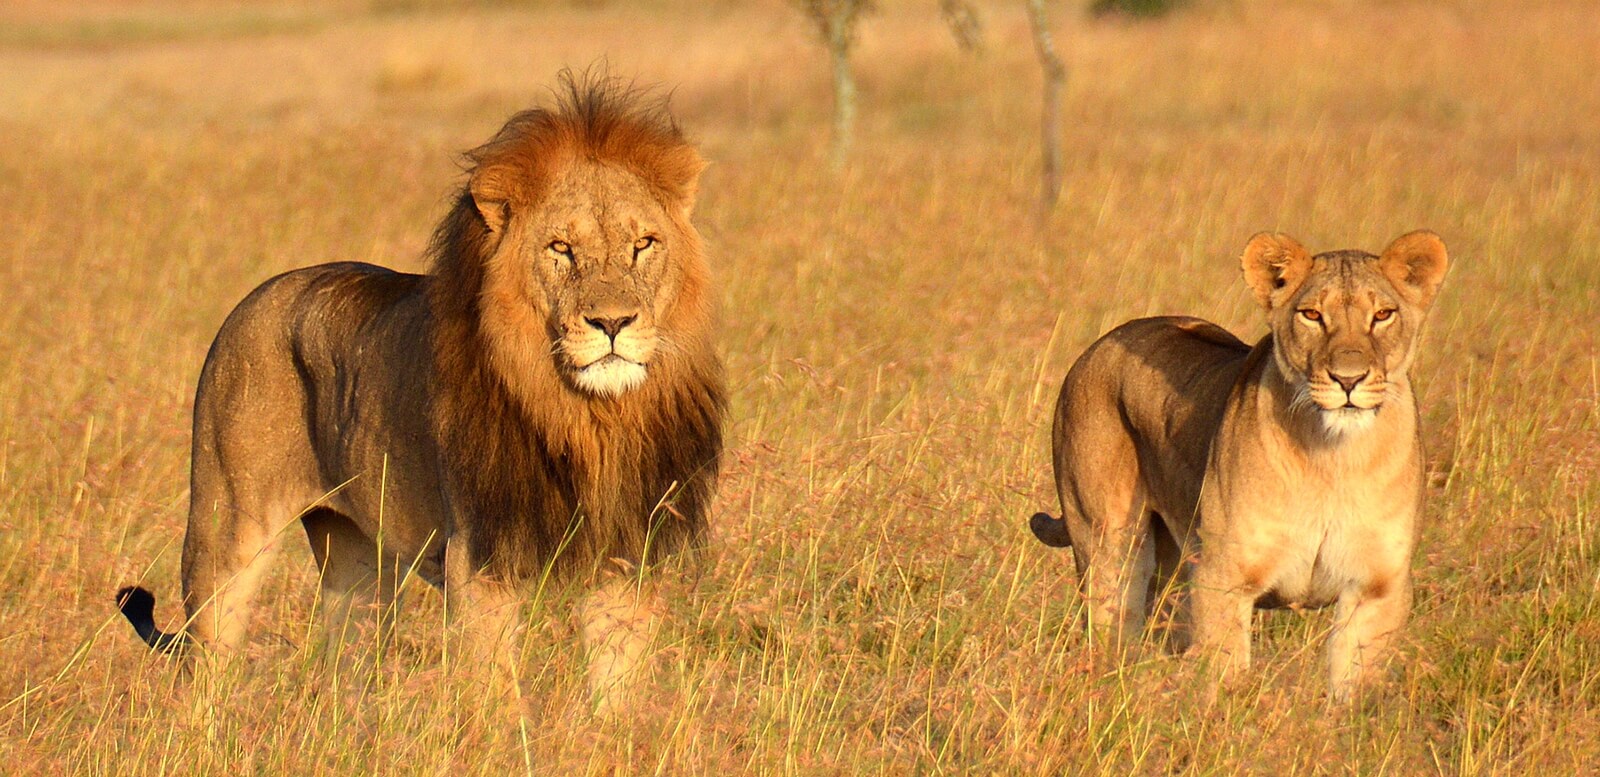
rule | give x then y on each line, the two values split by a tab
1349	382
612	326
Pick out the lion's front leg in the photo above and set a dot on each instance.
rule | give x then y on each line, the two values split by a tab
1365	620
486	621
619	621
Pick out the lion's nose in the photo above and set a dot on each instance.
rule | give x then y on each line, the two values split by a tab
1349	382
612	326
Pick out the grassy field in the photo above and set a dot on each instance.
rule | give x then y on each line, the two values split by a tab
895	333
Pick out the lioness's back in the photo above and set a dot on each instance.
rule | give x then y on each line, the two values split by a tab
1150	374
1174	348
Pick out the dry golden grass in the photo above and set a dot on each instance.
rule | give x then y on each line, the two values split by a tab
894	335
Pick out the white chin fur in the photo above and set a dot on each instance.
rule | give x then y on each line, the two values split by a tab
610	377
1348	420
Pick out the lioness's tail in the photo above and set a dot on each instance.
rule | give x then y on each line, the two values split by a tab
1050	531
139	607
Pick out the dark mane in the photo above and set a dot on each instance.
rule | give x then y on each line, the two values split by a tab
539	475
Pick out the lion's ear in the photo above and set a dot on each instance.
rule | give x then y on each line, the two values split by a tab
1274	267
678	174
1415	263
492	197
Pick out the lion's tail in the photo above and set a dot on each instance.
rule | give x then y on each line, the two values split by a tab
139	607
1050	530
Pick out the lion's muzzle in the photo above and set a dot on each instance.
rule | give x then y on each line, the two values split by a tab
608	349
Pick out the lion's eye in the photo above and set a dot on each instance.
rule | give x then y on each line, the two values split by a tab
562	249
643	244
1383	315
1311	315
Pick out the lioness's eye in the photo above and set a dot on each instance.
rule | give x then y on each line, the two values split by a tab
1383	315
1311	315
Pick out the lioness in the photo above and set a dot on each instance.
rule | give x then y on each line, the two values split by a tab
1293	468
544	405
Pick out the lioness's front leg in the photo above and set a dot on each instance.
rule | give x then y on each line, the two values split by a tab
1365	620
1222	603
619	621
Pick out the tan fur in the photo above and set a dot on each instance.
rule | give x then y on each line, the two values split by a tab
544	406
1293	469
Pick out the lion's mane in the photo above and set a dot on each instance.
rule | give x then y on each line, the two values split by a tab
543	476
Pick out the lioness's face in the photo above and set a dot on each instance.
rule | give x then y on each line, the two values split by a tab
599	250
1343	335
1345	323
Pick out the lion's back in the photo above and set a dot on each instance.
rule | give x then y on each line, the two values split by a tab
312	317
315	377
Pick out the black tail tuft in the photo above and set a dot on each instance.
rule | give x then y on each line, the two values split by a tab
1050	530
139	607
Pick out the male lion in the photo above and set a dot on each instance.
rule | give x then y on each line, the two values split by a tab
544	405
1293	468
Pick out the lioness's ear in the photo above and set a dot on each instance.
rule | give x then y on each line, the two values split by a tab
1415	263
1274	267
491	196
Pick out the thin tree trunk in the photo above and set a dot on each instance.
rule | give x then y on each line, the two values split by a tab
1055	76
844	88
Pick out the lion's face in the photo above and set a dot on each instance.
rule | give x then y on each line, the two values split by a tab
600	250
593	260
1345	323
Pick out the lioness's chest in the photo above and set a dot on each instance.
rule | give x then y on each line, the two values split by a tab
1325	540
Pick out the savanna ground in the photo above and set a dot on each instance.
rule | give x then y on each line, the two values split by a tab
894	334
